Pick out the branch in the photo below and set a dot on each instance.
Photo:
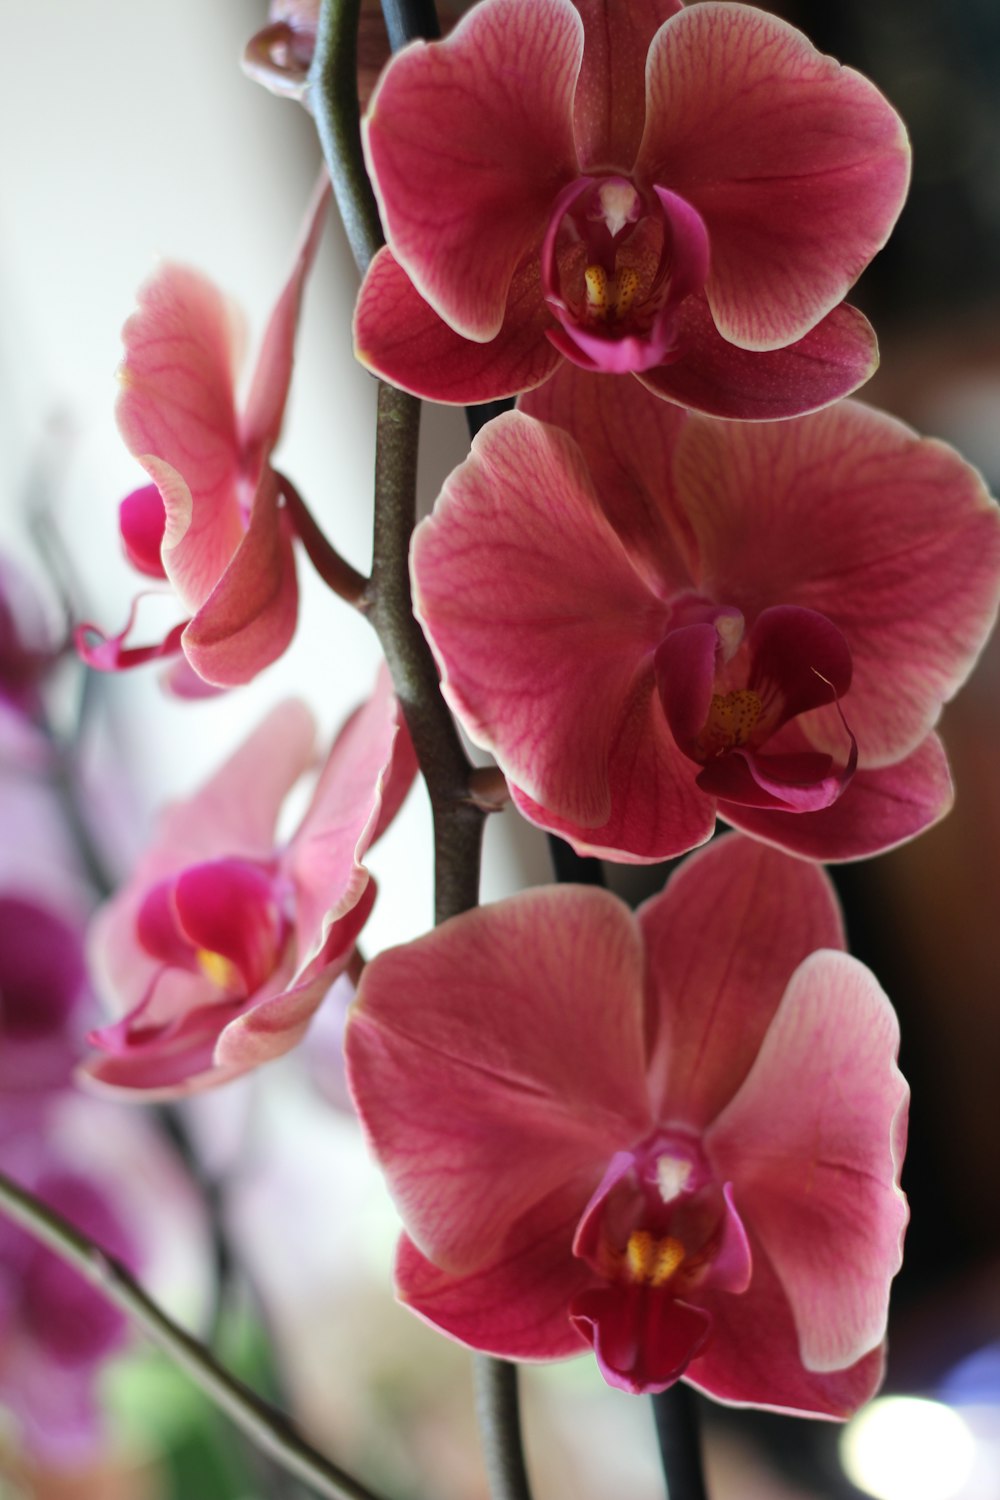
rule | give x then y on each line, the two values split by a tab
268	1428
333	97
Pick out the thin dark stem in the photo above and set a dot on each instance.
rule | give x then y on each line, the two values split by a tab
268	1428
675	1412
335	571
500	1426
407	19
333	95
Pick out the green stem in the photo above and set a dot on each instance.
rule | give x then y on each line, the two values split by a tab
268	1428
333	96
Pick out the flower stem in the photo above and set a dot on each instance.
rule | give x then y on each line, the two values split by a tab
500	1427
333	96
268	1428
675	1412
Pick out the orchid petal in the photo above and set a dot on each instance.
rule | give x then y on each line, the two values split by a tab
400	336
710	375
814	1141
535	614
324	858
753	1356
249	618
627	437
893	538
610	103
229	908
879	810
643	1338
527	1021
798	166
722	942
467	141
265	408
108	653
516	1306
176	414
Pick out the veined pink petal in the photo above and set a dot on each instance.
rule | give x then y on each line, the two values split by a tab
467	142
627	437
723	940
657	810
892	537
324	858
526	1017
400	336
198	544
265	407
753	1359
176	411
877	811
643	1338
814	1142
710	375
517	1306
610	104
537	618
798	166
250	616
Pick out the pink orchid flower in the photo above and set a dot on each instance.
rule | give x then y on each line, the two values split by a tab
212	523
651	617
675	1136
685	194
222	945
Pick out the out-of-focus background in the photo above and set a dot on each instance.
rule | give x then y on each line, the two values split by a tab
130	134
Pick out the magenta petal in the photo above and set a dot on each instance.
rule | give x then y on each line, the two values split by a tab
464	164
250	616
713	376
324	858
610	104
879	810
643	1337
731	1268
400	336
541	626
229	907
265	407
722	942
801	783
158	931
517	1306
275	1025
802	656
814	1140
142	520
628	438
478	1112
753	1359
798	166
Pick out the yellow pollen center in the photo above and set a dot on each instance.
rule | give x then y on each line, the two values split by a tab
219	969
652	1261
609	297
731	720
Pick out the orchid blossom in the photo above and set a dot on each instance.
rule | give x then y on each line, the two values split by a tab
211	523
685	194
651	617
222	945
675	1136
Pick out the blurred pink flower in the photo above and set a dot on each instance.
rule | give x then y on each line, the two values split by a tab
683	193
675	1136
43	987
651	617
223	944
212	523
